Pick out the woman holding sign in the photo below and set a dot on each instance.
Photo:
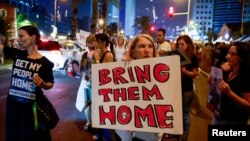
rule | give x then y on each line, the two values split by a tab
141	47
235	88
31	73
102	54
188	73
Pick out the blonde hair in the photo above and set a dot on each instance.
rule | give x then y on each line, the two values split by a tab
133	43
90	38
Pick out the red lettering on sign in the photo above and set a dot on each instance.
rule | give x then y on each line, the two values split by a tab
107	115
154	91
103	76
161	73
154	116
124	115
117	72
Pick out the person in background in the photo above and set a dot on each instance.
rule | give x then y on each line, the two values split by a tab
235	88
20	113
163	46
102	54
2	50
188	73
206	57
120	49
86	82
219	54
141	47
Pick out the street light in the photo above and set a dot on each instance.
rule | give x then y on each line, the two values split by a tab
100	25
55	16
184	13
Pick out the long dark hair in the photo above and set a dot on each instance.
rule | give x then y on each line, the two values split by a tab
102	37
190	49
105	38
31	30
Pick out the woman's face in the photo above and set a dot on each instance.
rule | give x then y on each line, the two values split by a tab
121	41
182	45
91	45
232	56
25	40
143	49
99	45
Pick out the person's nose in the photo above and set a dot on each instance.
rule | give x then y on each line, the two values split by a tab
146	49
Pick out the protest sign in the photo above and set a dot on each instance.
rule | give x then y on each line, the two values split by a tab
214	90
139	95
22	86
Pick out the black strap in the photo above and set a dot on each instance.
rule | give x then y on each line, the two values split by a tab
102	58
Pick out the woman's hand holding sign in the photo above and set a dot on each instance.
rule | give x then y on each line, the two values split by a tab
40	83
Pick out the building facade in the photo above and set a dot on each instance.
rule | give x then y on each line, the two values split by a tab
226	11
202	15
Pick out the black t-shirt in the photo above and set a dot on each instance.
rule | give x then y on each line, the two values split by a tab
22	87
187	82
228	109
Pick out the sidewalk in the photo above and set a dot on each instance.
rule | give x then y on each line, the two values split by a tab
201	116
6	66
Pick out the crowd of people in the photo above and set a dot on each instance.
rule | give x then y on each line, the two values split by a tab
234	59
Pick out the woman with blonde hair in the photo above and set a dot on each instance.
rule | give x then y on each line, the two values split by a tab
141	47
120	48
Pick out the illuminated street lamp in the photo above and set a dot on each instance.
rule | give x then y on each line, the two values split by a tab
100	24
182	13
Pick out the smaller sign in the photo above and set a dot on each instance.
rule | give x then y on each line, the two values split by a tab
214	91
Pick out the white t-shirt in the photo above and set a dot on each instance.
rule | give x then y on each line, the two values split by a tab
119	52
165	46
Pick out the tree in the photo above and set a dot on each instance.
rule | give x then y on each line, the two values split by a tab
246	27
74	22
112	28
94	18
143	23
94	15
211	35
4	26
104	11
242	14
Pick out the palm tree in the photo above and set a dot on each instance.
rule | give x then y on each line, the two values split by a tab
4	27
94	15
94	18
143	23
104	11
211	35
112	28
74	22
102	14
242	14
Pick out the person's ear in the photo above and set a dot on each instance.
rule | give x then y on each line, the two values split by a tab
33	38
